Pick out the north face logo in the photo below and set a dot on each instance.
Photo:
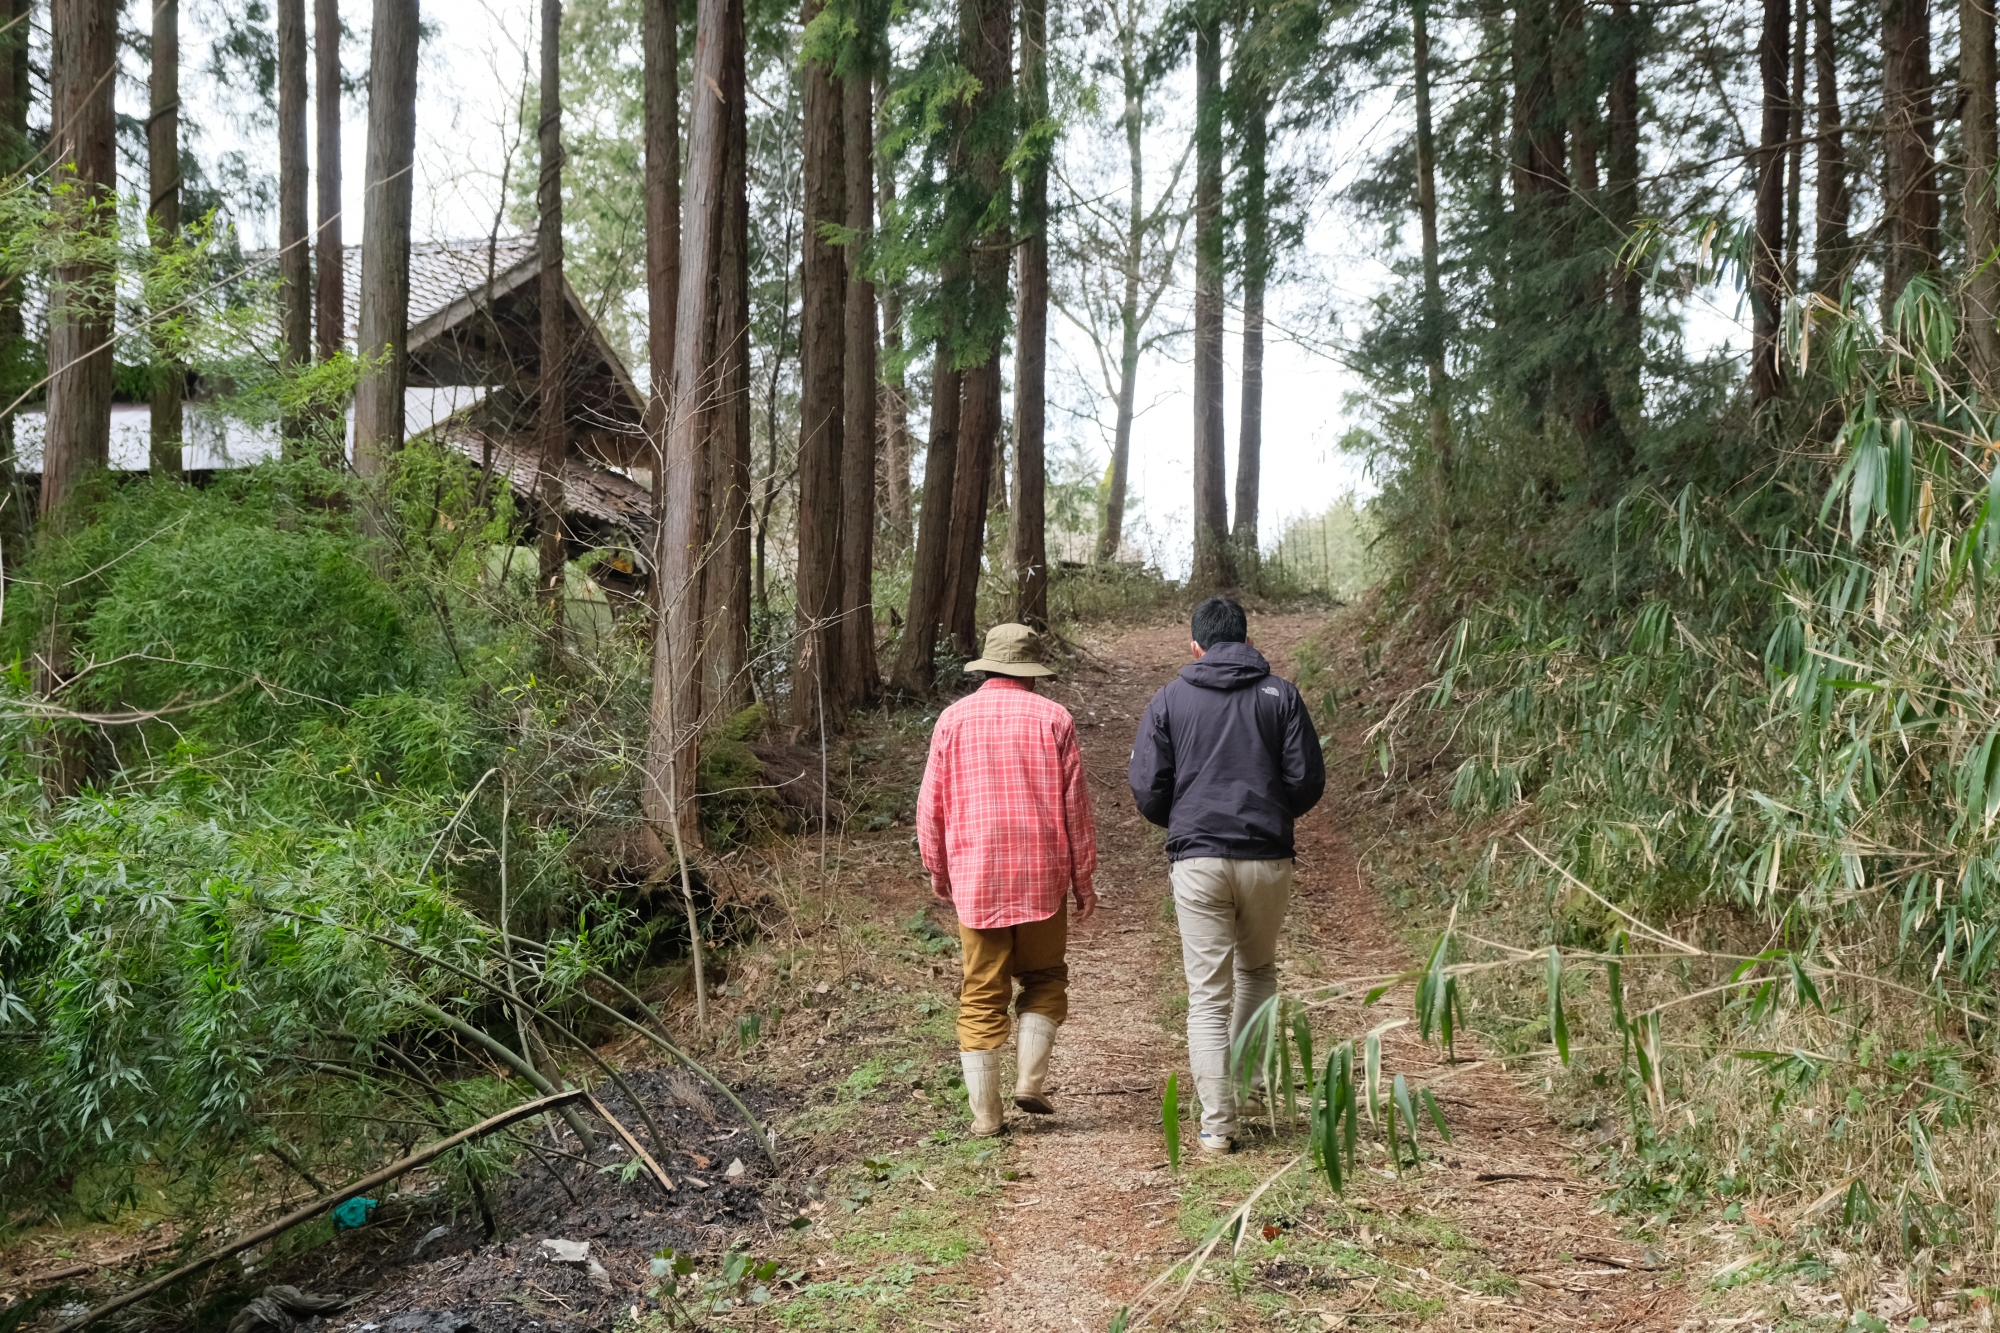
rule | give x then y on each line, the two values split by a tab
1271	690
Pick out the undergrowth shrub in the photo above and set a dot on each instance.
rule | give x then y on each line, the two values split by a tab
1754	701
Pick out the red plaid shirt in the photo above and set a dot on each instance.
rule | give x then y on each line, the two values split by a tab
1004	816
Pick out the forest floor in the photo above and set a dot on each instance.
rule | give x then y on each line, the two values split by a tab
835	1021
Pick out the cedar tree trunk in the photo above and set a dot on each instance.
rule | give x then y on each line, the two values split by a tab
861	678
331	279
295	295
552	422
163	212
726	587
913	674
383	323
1909	169
1433	300
83	71
1029	534
1982	224
816	676
677	705
1767	243
661	113
1212	565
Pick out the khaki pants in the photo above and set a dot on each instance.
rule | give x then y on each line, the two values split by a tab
1230	914
1032	953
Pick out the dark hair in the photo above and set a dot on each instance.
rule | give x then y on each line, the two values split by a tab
1219	620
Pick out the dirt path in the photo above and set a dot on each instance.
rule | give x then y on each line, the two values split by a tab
1092	1217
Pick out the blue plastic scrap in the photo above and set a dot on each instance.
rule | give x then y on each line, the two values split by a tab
352	1213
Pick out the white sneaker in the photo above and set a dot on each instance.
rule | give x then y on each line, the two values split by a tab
1035	1038
1216	1143
982	1090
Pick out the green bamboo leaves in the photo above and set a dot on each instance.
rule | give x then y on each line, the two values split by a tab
1437	998
1170	1120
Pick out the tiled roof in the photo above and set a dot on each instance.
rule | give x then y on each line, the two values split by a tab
598	493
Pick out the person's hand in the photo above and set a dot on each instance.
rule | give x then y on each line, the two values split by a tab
1086	904
941	888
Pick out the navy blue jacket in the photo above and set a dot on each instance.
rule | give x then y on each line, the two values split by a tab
1227	758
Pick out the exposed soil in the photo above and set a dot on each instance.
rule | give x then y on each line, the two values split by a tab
1090	1222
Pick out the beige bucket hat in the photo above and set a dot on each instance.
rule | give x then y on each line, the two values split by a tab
1011	650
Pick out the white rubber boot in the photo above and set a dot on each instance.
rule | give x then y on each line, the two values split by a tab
1035	1037
982	1090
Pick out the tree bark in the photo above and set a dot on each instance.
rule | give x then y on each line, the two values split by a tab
1767	245
978	432
1982	223
661	113
677	650
1029	533
1622	161
1909	171
331	278
83	72
1830	205
1795	143
16	91
1131	63
1252	161
552	422
1213	568
726	587
383	324
861	677
986	41
914	657
898	521
295	294
163	211
1433	300
816	677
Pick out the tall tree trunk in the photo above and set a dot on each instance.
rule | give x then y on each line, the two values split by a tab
1795	143
1212	566
817	676
383	323
726	588
1909	171
1029	534
1111	532
83	72
661	113
295	294
163	211
1830	206
1767	252
899	523
1539	171
1252	161
861	678
553	420
978	434
1982	223
330	258
914	656
1433	307
986	41
16	91
677	669
1622	162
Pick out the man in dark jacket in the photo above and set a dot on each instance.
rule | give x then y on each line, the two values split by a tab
1226	758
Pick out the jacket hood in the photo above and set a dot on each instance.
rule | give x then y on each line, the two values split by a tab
1227	666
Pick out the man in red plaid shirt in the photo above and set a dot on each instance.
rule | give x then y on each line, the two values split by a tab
1004	823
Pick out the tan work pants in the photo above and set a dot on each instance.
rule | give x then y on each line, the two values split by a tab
1230	915
1031	953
